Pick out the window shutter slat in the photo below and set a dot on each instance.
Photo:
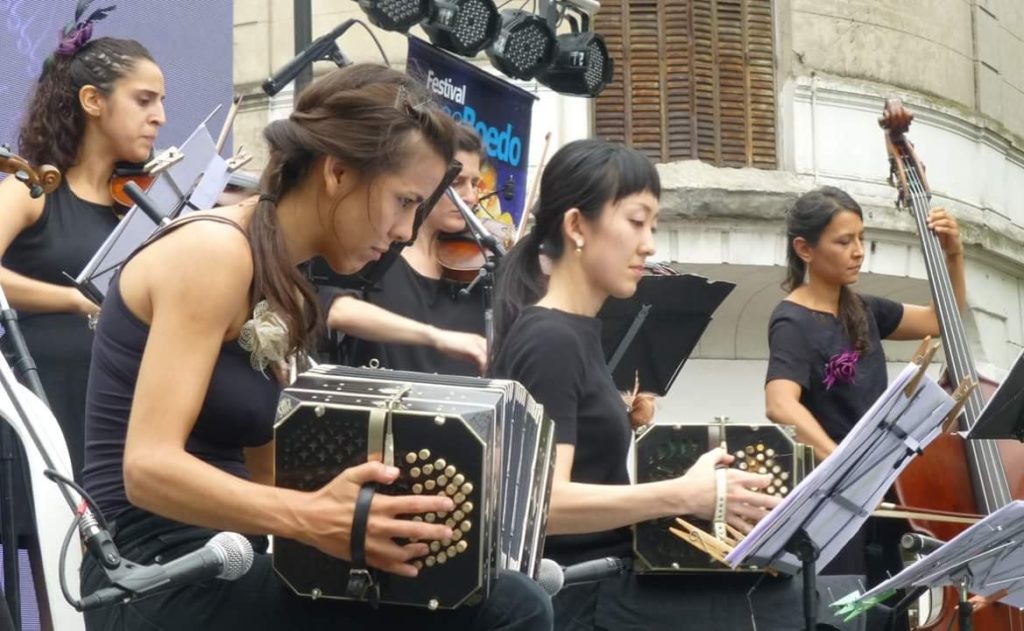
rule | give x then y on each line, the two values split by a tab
693	79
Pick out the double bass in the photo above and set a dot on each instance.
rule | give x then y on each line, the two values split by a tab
953	475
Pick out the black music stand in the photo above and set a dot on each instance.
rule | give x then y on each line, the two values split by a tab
653	332
826	509
984	559
1003	416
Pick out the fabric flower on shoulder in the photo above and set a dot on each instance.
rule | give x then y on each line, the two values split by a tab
265	336
842	368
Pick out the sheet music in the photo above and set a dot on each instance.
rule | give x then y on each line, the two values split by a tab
166	192
833	501
990	552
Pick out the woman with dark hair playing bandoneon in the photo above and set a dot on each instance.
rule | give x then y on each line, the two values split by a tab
593	230
182	395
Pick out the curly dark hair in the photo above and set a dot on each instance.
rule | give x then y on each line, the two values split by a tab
54	123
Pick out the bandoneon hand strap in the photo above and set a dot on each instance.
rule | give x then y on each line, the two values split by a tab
360	580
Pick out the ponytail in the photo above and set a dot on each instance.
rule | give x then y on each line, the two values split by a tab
586	175
519	283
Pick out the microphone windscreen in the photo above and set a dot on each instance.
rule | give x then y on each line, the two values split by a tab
550	576
236	552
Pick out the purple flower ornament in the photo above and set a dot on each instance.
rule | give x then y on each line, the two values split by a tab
842	368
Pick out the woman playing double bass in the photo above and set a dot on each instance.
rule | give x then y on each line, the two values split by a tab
826	365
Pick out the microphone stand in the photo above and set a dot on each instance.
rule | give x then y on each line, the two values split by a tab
493	251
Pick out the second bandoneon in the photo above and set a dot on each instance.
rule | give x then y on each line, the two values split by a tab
484	443
664	451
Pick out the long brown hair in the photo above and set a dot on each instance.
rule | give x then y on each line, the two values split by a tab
368	117
809	217
55	122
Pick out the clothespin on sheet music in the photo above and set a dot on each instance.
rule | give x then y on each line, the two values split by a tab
164	160
922	358
701	540
960	395
239	160
714	548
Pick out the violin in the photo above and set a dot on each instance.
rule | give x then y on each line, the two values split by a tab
461	257
125	172
40	181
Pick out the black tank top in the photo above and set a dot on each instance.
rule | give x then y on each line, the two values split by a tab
63	239
238	410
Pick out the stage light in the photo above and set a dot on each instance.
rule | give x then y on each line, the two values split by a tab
525	44
396	15
465	27
581	65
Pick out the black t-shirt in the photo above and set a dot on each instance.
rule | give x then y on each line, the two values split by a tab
559	358
436	302
802	342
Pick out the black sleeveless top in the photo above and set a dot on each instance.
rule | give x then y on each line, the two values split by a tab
63	239
238	410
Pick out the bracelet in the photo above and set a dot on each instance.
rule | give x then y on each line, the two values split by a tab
721	494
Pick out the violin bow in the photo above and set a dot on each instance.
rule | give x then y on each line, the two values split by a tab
523	219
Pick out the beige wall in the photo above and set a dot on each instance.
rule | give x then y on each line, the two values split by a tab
966	52
264	41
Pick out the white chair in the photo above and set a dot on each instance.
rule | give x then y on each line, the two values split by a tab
53	516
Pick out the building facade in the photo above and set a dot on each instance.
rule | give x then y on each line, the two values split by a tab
746	104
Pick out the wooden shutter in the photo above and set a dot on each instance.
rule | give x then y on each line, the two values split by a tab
694	79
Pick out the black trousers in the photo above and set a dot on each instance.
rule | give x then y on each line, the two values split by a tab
260	601
704	602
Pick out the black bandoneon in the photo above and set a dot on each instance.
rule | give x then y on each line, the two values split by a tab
666	451
484	443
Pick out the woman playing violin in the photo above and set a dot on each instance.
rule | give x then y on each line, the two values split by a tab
98	101
418	321
826	365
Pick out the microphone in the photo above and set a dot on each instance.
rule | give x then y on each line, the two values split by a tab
922	544
145	204
228	555
321	48
507	191
481	233
554	578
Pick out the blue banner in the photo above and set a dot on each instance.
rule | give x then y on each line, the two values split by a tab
498	111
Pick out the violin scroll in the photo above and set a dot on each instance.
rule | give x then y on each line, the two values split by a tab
40	180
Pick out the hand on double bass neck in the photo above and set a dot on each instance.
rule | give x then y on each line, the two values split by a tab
946	228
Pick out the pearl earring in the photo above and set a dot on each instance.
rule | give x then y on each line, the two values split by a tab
579	246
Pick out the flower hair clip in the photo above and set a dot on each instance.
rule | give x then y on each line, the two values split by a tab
841	368
76	34
265	336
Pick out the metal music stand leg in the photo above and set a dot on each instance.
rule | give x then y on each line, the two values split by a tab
964	609
904	604
803	547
